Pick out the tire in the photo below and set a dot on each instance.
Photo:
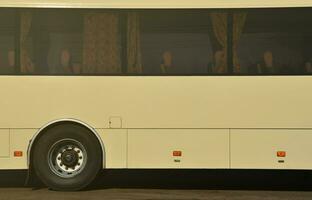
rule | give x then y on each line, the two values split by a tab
67	157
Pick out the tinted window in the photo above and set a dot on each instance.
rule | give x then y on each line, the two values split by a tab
51	42
70	42
7	41
184	42
276	41
156	42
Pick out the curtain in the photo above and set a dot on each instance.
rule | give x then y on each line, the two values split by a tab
134	56
27	65
239	20
219	25
101	49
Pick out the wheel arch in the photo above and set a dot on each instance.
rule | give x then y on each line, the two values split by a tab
53	123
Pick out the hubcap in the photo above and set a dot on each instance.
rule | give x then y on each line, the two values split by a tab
67	158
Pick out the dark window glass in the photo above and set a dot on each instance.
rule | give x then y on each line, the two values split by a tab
51	42
7	41
69	42
276	41
156	42
182	42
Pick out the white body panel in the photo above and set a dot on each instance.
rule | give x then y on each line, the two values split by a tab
217	122
158	102
254	149
115	142
4	143
201	148
19	141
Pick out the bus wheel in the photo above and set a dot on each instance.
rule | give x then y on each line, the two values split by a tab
67	157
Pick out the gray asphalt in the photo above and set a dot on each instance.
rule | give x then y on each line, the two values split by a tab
149	194
171	185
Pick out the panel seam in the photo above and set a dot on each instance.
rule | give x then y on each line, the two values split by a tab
127	148
230	156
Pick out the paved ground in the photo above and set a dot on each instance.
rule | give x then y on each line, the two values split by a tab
171	185
150	194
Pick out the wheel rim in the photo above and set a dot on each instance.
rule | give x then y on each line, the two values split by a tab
67	158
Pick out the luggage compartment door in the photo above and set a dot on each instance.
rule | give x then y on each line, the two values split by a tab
4	143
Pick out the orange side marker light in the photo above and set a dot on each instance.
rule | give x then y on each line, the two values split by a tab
177	153
18	153
281	154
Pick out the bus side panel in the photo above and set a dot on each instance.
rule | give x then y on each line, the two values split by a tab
4	143
159	102
199	148
264	148
115	147
19	140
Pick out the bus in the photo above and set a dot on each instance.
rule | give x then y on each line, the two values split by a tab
167	84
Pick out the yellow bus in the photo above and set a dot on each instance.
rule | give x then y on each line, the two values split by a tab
167	84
